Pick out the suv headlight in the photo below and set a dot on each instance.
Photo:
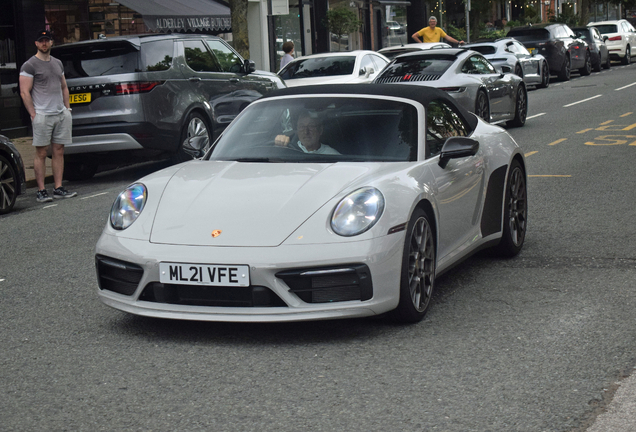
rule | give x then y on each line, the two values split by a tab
128	206
357	212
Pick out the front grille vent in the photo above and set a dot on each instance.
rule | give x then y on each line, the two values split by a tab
333	284
200	295
118	276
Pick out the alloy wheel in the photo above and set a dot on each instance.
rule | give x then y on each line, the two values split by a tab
517	206
421	266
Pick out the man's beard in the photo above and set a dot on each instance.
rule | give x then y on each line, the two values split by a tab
45	50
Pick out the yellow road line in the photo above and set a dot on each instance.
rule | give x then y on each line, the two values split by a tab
607	122
550	175
630	127
626	114
584	130
558	141
530	153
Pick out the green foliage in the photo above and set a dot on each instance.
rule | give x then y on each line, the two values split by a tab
341	21
456	32
567	17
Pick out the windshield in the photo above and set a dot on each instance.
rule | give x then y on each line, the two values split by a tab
530	34
319	67
321	129
98	59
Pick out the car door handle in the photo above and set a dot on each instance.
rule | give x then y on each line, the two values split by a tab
194	79
233	80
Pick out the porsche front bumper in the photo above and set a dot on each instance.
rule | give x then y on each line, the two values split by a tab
270	269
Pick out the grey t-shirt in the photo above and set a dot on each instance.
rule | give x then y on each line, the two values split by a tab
47	84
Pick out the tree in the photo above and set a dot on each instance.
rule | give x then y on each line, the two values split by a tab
240	34
341	21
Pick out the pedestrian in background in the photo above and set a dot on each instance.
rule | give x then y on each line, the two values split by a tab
288	49
433	33
45	96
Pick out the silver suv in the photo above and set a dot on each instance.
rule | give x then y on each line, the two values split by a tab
140	97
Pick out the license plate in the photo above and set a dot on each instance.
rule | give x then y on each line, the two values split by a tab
531	50
204	274
79	98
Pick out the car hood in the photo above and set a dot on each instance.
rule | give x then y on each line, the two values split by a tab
250	204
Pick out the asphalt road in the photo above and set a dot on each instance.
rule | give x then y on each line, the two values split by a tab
535	343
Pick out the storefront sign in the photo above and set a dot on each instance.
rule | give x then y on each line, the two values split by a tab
193	23
280	7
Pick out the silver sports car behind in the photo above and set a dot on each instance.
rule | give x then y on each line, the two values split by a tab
533	68
317	202
468	77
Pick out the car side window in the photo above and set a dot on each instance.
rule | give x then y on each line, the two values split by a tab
478	65
510	47
379	62
157	55
199	58
442	122
228	59
521	49
366	64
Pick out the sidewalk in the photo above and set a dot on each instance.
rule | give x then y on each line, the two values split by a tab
27	151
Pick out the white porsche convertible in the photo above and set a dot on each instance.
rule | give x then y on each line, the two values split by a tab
317	202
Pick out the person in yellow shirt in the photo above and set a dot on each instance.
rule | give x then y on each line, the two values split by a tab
433	34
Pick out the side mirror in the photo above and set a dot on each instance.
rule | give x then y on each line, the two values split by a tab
506	69
366	71
579	34
605	38
457	147
196	146
249	66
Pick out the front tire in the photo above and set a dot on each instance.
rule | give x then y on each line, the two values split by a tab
545	76
418	269
564	73
521	108
196	125
587	68
515	212
482	106
627	59
9	186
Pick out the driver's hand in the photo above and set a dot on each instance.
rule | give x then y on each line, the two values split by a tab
281	140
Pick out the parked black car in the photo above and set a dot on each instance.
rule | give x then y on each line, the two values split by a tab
12	176
559	45
598	49
142	96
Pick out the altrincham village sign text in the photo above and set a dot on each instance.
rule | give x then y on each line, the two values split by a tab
194	23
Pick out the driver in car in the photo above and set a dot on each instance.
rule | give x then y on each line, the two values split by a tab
309	129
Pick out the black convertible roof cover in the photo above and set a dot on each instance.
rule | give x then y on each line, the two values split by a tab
423	95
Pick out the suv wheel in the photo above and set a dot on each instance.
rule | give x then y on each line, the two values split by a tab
564	73
628	54
195	126
587	67
9	185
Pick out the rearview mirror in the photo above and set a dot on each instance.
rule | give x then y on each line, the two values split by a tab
457	147
249	66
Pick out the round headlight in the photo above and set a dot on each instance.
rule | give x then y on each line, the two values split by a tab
128	206
357	212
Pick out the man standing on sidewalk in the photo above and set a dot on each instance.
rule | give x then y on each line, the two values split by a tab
45	96
433	33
